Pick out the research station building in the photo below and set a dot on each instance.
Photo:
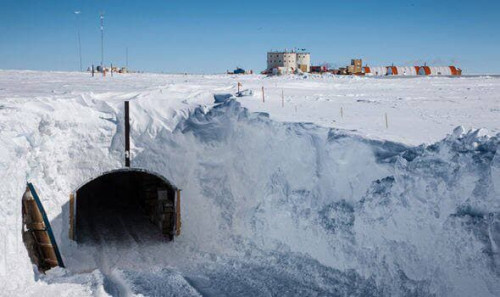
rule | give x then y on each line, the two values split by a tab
284	62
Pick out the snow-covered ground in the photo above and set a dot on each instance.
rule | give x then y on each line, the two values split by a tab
306	194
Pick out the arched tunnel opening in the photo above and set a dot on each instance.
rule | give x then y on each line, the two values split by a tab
125	205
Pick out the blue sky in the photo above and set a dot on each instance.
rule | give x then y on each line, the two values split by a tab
213	36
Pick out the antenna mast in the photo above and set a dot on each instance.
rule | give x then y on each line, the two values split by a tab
77	13
101	16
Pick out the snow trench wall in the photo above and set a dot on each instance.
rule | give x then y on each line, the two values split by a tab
422	219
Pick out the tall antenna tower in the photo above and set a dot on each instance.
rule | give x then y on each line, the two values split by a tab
77	13
101	17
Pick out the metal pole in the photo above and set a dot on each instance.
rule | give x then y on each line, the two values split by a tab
126	56
79	40
102	39
127	135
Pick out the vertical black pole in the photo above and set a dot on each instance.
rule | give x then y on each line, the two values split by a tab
127	136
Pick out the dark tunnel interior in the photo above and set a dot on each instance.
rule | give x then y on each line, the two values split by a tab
125	206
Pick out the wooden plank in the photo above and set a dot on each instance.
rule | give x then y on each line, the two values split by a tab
51	262
48	235
72	216
36	226
178	214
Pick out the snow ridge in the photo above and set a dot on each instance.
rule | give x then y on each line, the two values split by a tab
420	220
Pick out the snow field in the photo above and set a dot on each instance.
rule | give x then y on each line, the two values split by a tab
270	203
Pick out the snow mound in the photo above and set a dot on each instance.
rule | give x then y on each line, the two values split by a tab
244	93
414	219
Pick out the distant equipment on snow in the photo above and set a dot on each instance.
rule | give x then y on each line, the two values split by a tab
239	70
412	70
292	62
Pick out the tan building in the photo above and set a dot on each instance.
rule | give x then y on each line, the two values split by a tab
304	62
356	66
288	61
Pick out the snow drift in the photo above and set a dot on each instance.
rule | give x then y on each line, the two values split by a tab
420	220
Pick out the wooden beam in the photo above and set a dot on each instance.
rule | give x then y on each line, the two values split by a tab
178	214
72	216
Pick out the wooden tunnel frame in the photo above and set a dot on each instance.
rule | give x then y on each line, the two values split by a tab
73	199
37	233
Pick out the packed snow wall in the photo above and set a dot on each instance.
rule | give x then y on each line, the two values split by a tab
420	220
276	206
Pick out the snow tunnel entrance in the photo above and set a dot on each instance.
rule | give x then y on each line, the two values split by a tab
123	205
